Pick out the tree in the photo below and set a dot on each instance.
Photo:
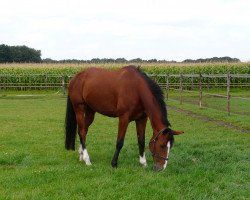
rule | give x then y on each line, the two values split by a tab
152	61
136	60
213	60
19	54
121	60
5	54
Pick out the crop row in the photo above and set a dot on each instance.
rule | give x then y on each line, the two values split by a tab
54	74
172	68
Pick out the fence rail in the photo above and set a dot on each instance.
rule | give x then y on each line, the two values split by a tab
50	81
33	81
204	80
191	83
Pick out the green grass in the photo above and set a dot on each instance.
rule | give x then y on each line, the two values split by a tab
207	162
237	106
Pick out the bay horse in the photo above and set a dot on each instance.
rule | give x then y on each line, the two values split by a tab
126	93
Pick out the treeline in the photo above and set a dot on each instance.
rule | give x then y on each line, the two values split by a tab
139	60
107	60
213	60
19	54
24	54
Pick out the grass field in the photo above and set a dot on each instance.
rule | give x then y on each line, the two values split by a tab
209	99
207	162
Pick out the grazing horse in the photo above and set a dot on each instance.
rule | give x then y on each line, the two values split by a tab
128	94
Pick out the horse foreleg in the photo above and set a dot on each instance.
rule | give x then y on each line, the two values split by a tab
140	128
123	124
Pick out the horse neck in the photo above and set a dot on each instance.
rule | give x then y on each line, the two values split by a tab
153	112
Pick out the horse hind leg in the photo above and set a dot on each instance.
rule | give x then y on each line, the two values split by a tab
83	153
140	128
80	150
84	117
84	156
123	124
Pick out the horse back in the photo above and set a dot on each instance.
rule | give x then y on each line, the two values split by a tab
108	92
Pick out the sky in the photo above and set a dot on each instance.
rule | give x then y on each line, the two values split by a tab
147	29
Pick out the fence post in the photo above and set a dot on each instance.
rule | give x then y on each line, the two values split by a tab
46	81
228	93
20	84
181	89
5	82
192	82
208	83
200	91
63	85
167	86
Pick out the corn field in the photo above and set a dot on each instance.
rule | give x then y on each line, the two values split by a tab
47	75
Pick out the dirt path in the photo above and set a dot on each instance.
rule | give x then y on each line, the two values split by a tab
205	118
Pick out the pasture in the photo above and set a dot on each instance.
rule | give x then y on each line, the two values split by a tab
215	107
207	162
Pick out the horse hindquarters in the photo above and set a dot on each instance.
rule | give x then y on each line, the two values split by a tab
70	126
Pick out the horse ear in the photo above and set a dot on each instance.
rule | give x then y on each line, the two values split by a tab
177	132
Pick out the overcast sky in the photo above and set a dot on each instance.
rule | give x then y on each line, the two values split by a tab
161	29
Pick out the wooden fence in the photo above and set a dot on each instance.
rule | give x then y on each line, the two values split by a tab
192	83
33	82
203	81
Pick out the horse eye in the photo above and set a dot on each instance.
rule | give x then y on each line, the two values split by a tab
163	145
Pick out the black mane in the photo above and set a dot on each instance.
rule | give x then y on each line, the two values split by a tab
158	94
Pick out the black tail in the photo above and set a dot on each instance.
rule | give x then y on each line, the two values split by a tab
70	126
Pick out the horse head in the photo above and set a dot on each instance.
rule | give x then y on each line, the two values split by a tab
160	145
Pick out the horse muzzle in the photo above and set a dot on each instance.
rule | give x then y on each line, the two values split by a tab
158	167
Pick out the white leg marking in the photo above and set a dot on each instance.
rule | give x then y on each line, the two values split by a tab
80	152
86	157
143	160
166	162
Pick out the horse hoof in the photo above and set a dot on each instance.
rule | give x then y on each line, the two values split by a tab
81	157
88	163
144	165
114	165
